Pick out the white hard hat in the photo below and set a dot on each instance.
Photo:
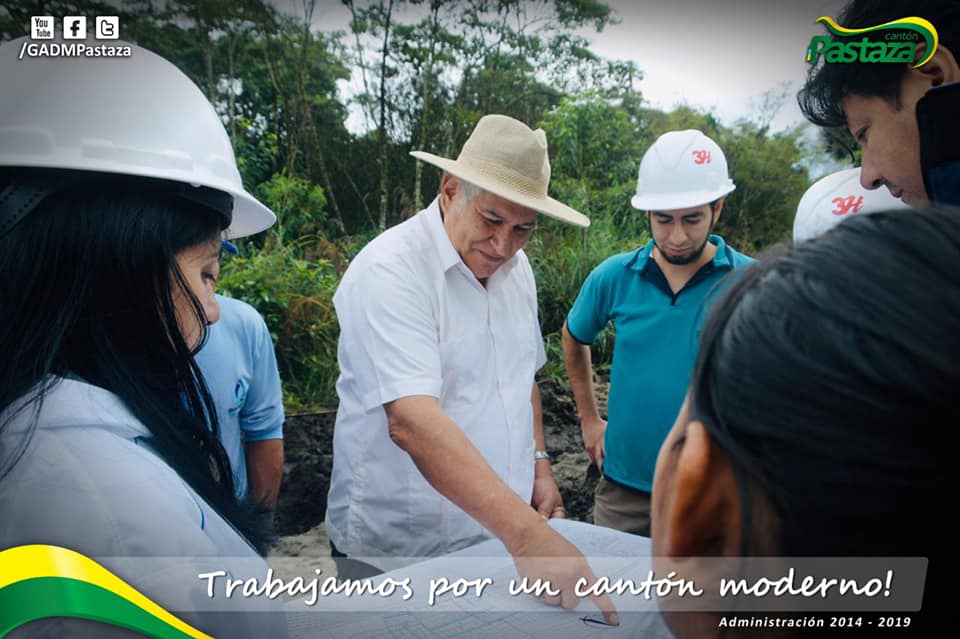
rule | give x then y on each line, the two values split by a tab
832	199
680	170
138	116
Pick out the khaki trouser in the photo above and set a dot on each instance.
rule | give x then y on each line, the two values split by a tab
621	508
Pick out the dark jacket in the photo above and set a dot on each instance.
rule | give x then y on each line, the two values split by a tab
938	120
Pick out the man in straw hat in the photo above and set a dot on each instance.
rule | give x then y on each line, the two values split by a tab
438	440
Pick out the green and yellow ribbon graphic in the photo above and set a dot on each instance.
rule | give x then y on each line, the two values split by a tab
919	25
41	581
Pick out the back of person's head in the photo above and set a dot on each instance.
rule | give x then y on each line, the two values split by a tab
97	199
827	84
827	374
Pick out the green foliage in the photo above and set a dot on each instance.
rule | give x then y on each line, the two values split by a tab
595	150
294	295
426	84
576	13
257	150
770	181
299	205
562	257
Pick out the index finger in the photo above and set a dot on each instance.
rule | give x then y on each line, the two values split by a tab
606	606
603	602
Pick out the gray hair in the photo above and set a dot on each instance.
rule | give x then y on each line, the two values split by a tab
468	191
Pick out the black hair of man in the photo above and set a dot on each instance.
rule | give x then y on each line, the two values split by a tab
828	84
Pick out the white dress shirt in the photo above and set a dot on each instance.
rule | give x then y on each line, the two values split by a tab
414	320
89	480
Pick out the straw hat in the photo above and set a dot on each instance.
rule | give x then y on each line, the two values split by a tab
506	158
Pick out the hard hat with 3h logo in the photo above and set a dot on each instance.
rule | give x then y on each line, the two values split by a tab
682	169
833	199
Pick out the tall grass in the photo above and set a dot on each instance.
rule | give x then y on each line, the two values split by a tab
562	257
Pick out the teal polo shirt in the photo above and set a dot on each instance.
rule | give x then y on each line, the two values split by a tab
657	334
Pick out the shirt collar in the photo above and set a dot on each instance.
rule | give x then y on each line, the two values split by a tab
449	258
723	259
445	249
643	256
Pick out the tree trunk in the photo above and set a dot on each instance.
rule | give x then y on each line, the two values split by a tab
231	96
361	61
206	48
288	118
307	119
382	159
425	115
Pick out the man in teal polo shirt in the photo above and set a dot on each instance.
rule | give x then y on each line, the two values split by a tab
655	296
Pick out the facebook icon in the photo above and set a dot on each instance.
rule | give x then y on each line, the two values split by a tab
75	28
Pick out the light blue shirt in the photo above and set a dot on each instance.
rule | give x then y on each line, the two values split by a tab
240	368
89	480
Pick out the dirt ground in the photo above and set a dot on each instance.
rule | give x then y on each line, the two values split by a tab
309	451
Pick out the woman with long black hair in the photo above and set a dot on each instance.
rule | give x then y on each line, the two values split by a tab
117	180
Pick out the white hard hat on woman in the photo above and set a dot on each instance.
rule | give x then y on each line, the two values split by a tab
136	116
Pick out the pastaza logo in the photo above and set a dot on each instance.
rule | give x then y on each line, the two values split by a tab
49	581
894	41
